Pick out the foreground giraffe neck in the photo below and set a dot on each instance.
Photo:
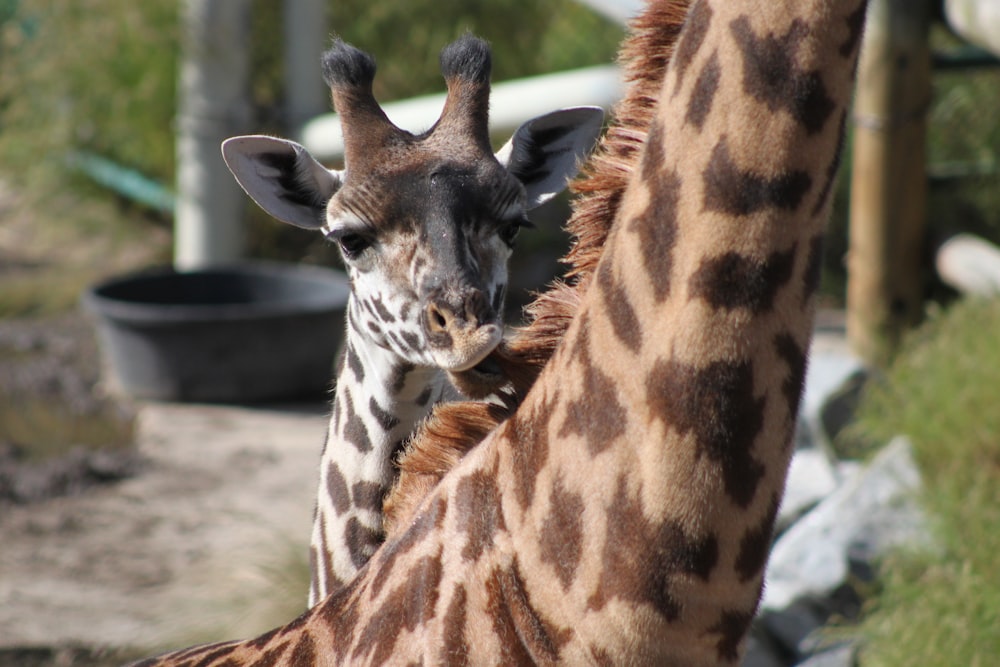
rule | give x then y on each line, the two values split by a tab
380	398
623	514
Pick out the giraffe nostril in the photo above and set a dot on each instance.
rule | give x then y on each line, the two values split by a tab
439	318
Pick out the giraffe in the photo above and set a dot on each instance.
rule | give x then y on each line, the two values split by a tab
623	513
425	225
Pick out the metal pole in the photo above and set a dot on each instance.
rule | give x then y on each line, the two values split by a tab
306	96
888	178
214	104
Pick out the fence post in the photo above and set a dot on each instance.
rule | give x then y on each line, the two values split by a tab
305	39
888	178
213	92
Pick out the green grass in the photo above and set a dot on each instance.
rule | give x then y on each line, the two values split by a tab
942	607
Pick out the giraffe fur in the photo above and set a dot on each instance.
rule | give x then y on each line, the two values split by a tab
622	514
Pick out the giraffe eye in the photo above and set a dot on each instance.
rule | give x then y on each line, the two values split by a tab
509	229
352	244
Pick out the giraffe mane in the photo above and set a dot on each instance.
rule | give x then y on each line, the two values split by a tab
455	428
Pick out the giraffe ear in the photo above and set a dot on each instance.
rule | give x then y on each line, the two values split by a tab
547	151
283	178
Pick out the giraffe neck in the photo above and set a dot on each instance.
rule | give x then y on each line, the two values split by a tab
380	399
654	478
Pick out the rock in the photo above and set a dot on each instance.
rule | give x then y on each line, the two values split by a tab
831	368
811	478
844	655
790	627
838	407
761	652
869	513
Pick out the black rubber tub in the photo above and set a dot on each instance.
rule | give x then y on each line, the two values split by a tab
242	333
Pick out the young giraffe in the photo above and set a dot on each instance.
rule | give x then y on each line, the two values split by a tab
623	514
425	225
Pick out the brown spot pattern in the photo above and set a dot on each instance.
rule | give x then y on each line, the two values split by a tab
642	556
621	314
425	396
597	415
210	653
272	656
814	268
386	420
793	355
423	525
562	533
730	190
381	312
855	26
361	541
831	171
411	339
601	656
692	37
525	637
336	489
305	651
755	545
705	87
717	404
477	503
657	224
456	651
354	363
405	607
732	281
340	613
771	76
368	495
531	434
325	547
732	626
355	431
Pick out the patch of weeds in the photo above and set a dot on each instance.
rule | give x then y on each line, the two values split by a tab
267	590
58	433
41	429
943	605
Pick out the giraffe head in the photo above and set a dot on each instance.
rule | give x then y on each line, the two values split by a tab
425	222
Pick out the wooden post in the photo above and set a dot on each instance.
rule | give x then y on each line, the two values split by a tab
888	178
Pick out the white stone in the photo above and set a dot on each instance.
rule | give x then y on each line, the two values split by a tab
877	507
811	478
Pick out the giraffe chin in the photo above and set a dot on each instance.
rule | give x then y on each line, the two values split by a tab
482	380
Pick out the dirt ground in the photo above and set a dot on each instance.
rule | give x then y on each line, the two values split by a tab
205	537
197	532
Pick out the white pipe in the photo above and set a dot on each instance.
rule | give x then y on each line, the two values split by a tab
620	11
511	103
977	21
213	105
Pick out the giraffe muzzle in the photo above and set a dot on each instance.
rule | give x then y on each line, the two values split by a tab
461	332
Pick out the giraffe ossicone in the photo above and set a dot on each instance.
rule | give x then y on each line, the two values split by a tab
425	224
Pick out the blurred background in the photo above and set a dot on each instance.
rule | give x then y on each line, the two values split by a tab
89	109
